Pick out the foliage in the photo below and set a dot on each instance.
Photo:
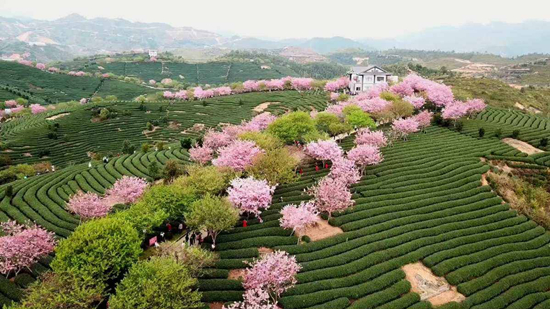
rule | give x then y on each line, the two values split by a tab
331	195
250	195
201	154
157	283
323	150
263	140
213	214
194	258
299	217
238	155
102	249
365	155
126	190
142	216
360	119
344	170
127	147
172	199
62	290
277	166
373	138
292	127
172	169
324	121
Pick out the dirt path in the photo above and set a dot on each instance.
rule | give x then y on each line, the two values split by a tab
434	289
260	108
320	231
54	117
522	146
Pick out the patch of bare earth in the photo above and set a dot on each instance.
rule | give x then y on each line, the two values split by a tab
297	153
8	150
521	146
149	132
174	125
319	231
484	181
54	117
216	305
264	251
430	287
27	154
236	274
260	108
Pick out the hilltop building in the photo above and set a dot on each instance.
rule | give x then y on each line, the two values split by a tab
363	78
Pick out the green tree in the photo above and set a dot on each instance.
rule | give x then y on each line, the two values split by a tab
142	216
62	290
174	200
292	127
205	179
102	249
324	120
127	147
194	258
172	169
264	140
157	283
213	214
360	119
154	170
276	166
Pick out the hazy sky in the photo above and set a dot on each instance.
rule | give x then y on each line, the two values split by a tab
292	18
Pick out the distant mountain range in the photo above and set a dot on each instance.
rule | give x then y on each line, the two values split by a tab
75	35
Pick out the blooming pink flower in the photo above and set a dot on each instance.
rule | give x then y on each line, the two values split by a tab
299	217
376	90
215	139
455	110
25	62
83	101
201	155
259	122
323	150
251	85
203	94
22	246
238	155
417	102
373	138
275	84
274	273
11	103
475	106
40	66
88	205
105	75
331	195
250	195
126	190
152	82
166	81
424	119
365	155
334	96
53	70
374	105
181	95
222	91
405	126
302	84
344	170
37	109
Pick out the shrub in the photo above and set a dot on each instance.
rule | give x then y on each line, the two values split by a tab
194	258
481	132
498	133
174	200
62	290
515	134
102	249
263	140
459	126
154	170
145	147
127	147
292	127
276	166
339	128
142	216
9	191
157	283
401	109
172	169
543	142
187	143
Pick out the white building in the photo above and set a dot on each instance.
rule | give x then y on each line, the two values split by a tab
153	53
363	78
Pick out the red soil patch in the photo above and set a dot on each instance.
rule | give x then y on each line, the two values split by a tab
264	251
430	287
319	231
216	305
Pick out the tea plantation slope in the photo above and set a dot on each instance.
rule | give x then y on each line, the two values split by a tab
78	134
424	203
532	128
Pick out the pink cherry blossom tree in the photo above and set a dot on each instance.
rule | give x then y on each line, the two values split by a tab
416	101
302	84
365	155
344	170
222	91
275	84
152	82
331	195
22	246
253	299
323	150
88	205
374	105
37	109
299	217
201	154
126	190
41	66
259	122
274	273
455	110
251	85
53	70
374	138
334	96
11	103
424	119
215	139
250	195
404	127
475	106
238	155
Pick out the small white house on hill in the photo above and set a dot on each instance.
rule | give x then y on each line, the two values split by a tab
363	78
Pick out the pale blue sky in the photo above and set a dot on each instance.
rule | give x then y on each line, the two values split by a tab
292	18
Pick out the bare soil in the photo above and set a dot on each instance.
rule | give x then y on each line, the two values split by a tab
522	146
431	288
54	117
236	274
484	181
260	108
216	305
321	230
264	251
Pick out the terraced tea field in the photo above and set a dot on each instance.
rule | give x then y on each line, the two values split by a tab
77	134
424	203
